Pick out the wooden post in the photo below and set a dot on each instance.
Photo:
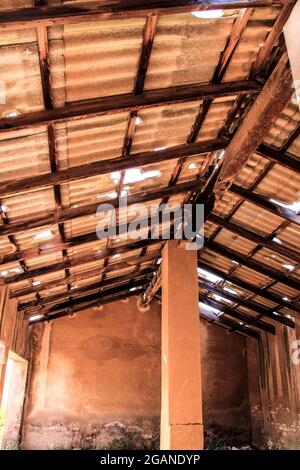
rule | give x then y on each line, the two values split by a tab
181	407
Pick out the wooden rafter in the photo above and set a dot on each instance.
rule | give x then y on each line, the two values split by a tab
78	261
280	157
147	43
130	262
251	263
129	102
256	124
293	136
90	297
232	43
254	237
93	237
121	103
265	203
115	294
124	292
249	304
72	213
258	66
262	292
69	14
97	286
271	40
231	325
235	327
221	69
74	242
242	317
43	47
102	167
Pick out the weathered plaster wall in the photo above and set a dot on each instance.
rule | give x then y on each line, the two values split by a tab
225	386
92	374
274	387
95	381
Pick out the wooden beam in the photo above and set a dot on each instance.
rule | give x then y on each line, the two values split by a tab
111	296
129	102
256	124
254	237
52	268
271	39
243	317
146	49
89	291
278	156
250	304
272	297
234	327
42	39
148	38
105	10
97	286
74	242
130	261
260	63
231	45
102	167
43	47
152	288
253	264
293	136
87	298
71	213
265	203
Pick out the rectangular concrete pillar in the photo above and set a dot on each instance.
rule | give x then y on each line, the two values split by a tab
181	406
291	34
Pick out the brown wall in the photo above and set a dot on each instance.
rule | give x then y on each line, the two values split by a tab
225	386
91	372
95	380
274	387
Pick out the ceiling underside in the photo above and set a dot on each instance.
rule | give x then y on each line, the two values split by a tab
160	91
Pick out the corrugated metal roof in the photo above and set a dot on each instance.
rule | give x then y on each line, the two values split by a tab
235	242
94	59
24	155
284	126
256	219
100	58
186	50
280	184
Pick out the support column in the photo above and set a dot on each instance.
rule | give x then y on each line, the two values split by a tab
181	398
291	34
